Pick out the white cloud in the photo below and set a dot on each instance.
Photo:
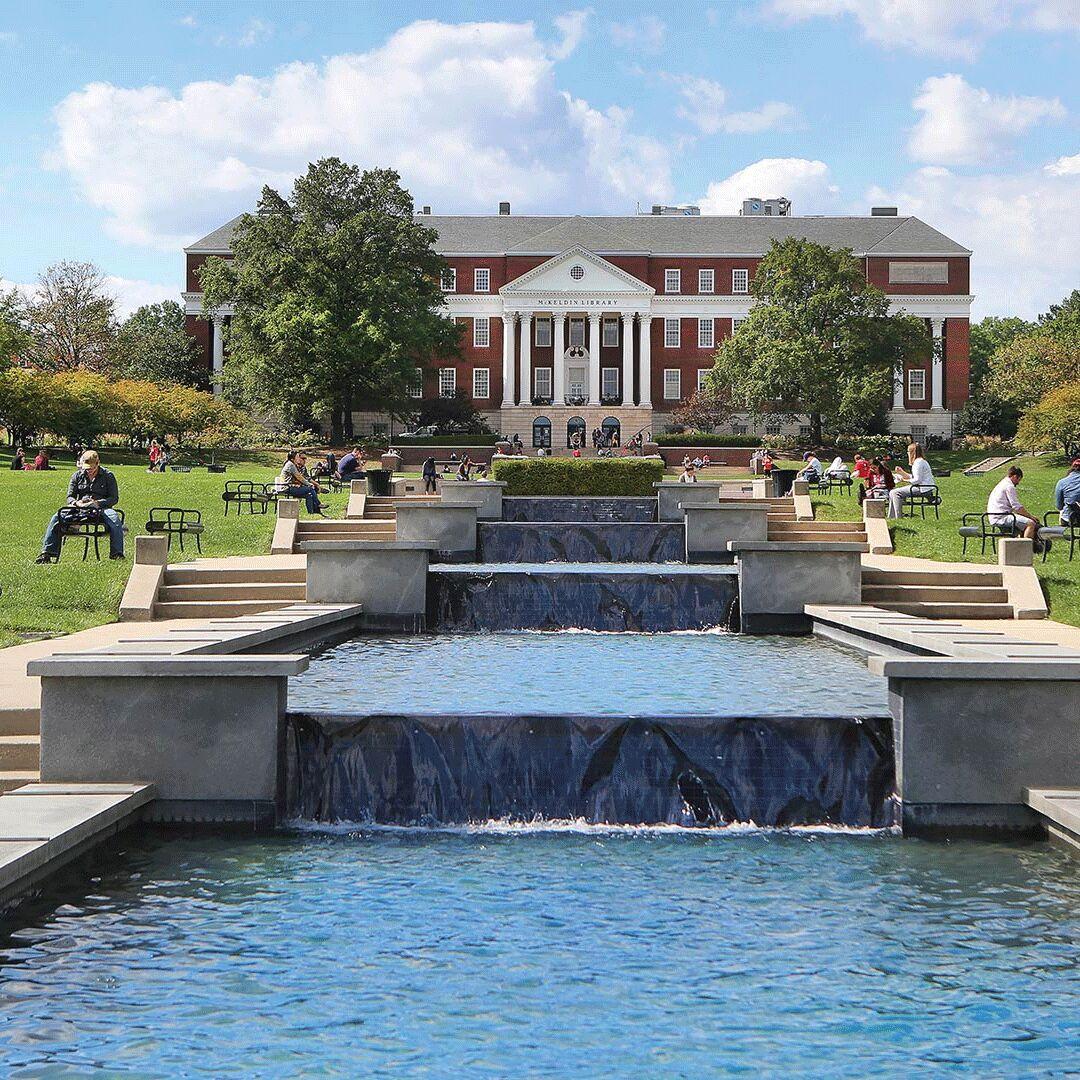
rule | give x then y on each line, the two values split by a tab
572	27
964	125
704	105
1064	166
956	28
1023	231
189	21
468	114
807	183
255	32
129	293
645	34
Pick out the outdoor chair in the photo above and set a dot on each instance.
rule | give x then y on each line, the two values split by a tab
170	521
1063	531
241	493
922	498
841	483
978	526
87	523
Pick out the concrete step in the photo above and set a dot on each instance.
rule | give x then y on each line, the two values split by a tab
19	721
381	534
978	578
19	753
10	780
952	611
879	595
200	575
219	609
232	590
804	536
823	526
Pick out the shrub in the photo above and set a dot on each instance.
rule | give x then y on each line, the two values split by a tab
704	438
872	444
445	440
983	443
579	476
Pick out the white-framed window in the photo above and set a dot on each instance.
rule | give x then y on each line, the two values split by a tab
481	332
542	332
416	389
738	429
706	281
736	323
706	334
609	382
916	384
918	432
447	381
449	279
805	431
611	332
672	384
672	281
702	372
577	332
542	376
481	279
740	281
772	429
672	329
481	382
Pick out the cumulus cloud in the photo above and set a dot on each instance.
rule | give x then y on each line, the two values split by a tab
571	27
956	28
1064	166
704	104
807	183
645	34
964	125
469	114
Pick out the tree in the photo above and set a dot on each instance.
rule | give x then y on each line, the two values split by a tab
72	318
989	335
819	340
153	344
336	293
1033	364
14	338
703	410
1064	316
1054	423
452	413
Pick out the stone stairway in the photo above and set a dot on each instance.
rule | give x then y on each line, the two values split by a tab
784	527
213	590
20	748
367	528
969	594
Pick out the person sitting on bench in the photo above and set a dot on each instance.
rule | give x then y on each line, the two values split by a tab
1007	512
1067	494
91	488
350	465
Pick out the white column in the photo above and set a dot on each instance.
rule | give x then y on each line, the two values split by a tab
645	361
898	387
219	354
526	357
628	358
594	358
509	321
937	377
558	391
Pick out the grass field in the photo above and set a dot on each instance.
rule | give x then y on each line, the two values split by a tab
72	595
932	538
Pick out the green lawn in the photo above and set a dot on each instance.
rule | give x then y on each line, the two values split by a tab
932	538
72	595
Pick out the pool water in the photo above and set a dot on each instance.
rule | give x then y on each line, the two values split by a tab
593	674
598	953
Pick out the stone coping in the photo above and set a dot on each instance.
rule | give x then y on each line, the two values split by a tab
454	482
696	483
809	547
373	545
992	669
126	665
728	504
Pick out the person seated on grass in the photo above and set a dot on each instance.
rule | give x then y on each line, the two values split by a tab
92	488
1007	513
689	476
482	470
920	480
463	468
1067	495
41	461
350	464
18	462
862	467
811	469
880	483
294	482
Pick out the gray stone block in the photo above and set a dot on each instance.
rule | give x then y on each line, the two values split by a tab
485	495
672	496
709	529
449	528
385	578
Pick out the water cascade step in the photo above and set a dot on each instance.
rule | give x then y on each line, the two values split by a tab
581	542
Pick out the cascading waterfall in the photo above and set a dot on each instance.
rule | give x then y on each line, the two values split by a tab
581	542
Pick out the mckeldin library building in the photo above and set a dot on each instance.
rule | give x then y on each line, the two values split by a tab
577	323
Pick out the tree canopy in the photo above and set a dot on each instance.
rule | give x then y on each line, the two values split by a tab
71	319
336	293
1054	423
153	344
14	336
819	340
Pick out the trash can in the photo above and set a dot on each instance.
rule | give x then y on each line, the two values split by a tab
782	480
378	481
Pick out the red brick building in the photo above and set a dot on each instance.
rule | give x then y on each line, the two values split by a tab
578	321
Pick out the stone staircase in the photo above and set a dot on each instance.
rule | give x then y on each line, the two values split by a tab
197	591
366	528
783	526
977	593
20	748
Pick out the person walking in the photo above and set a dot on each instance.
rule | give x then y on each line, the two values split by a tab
429	472
920	480
94	491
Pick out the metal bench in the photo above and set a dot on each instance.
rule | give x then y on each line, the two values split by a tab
986	530
1063	531
841	483
241	493
922	498
87	523
173	521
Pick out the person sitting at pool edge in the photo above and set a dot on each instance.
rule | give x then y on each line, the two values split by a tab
91	488
1006	510
1067	494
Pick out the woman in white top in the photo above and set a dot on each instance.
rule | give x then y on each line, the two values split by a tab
920	480
838	468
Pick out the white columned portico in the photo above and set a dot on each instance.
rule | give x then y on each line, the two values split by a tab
645	361
219	353
627	358
558	393
898	388
594	357
509	321
937	377
526	358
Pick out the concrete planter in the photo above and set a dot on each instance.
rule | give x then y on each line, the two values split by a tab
671	497
450	530
709	529
485	495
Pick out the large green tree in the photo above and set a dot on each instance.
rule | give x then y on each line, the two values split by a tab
987	336
14	338
153	344
819	341
72	318
336	297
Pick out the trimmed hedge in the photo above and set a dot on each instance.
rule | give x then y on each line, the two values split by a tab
463	441
701	438
579	476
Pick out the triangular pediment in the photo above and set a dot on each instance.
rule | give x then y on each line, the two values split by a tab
577	270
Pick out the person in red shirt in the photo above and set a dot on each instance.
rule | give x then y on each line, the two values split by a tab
862	467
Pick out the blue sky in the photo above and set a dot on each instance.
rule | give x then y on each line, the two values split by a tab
133	128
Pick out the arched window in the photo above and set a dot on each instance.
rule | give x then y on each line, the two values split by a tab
541	432
575	424
612	430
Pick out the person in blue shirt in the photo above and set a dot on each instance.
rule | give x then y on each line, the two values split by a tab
1067	494
350	464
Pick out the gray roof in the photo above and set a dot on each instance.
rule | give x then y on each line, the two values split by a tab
647	234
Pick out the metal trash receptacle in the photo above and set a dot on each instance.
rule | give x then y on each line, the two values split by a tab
378	481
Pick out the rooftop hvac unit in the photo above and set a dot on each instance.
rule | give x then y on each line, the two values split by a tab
687	210
758	207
